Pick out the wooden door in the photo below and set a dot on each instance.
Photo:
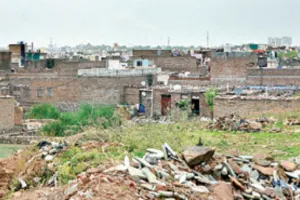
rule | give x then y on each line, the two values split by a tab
165	104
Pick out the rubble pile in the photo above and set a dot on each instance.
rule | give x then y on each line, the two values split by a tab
6	174
236	123
196	173
39	164
293	122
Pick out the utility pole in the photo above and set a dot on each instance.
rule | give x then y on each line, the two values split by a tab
207	39
169	42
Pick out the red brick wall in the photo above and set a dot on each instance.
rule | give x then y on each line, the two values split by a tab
249	106
271	76
230	69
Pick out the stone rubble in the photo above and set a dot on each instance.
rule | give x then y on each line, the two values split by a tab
197	173
236	123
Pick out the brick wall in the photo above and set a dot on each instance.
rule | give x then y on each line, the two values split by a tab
178	64
140	53
7	110
71	68
249	106
230	68
271	76
15	48
18	116
131	95
24	88
107	90
204	108
5	60
190	82
62	67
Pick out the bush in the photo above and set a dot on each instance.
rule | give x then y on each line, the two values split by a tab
87	115
43	111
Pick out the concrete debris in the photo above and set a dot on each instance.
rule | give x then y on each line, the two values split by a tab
288	166
196	173
229	177
196	155
23	183
236	123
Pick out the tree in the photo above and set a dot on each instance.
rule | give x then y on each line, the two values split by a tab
210	94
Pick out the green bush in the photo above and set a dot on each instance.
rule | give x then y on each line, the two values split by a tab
43	111
73	122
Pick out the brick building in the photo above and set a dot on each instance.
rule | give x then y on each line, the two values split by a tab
5	60
161	100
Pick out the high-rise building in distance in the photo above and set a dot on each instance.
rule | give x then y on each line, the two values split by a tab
283	41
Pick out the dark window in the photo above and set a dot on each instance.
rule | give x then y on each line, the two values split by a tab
139	63
49	92
39	92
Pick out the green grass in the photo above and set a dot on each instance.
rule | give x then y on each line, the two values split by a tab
73	122
6	149
135	139
43	111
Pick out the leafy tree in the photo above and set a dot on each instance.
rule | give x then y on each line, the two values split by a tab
210	94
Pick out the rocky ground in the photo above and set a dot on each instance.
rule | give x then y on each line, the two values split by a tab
196	173
135	163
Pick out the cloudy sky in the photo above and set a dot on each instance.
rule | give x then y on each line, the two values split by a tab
132	22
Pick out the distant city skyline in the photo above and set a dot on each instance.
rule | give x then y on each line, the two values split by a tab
147	22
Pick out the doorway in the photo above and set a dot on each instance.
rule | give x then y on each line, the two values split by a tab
196	105
165	104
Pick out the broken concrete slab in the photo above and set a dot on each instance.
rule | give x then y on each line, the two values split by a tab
222	191
288	166
196	155
264	170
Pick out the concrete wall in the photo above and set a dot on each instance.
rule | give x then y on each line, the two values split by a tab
249	106
271	76
230	68
5	60
7	110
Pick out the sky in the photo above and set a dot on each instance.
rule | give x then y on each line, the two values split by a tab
147	22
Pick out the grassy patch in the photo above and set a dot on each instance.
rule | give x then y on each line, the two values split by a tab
73	122
43	111
135	139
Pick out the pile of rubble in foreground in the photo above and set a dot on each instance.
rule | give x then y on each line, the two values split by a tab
236	123
197	173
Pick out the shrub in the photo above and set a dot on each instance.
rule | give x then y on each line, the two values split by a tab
43	111
87	115
210	94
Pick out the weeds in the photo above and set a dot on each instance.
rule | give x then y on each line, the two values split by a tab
72	123
43	111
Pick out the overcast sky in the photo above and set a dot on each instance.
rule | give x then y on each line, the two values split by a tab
132	22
